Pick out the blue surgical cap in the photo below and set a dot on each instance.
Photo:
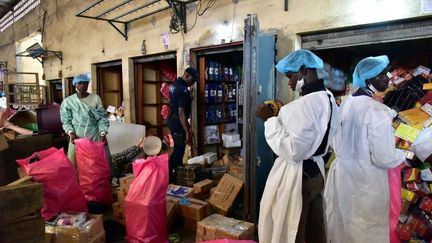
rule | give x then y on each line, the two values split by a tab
369	68
81	78
295	60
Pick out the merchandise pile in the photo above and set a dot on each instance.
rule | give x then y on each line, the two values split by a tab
412	104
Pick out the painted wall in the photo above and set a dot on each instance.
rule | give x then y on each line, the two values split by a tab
85	41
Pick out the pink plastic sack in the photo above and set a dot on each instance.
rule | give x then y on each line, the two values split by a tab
94	172
394	177
146	217
61	189
228	241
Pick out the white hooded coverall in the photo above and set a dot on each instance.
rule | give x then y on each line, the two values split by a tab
294	135
357	188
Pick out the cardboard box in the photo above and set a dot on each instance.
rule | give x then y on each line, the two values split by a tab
179	191
190	224
229	151
225	193
210	157
24	229
219	227
119	212
203	186
171	209
236	171
91	231
197	160
121	196
233	137
126	181
231	144
100	238
20	201
196	210
226	159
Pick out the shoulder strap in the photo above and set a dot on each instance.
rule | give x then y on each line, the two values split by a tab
321	149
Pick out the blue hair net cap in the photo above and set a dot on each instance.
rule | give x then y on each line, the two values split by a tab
368	68
81	78
295	60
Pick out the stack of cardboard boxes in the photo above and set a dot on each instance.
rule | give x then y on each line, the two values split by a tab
20	219
119	206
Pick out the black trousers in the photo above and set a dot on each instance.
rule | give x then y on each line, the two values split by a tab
176	157
311	228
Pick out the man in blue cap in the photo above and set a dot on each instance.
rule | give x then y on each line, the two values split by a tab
291	208
83	115
357	188
180	111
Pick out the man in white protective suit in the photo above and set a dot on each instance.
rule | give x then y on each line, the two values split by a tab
291	208
357	187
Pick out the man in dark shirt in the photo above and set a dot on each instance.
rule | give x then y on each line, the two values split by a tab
180	110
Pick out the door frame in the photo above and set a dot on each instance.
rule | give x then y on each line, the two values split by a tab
100	67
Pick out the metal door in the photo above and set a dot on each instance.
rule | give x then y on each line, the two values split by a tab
259	85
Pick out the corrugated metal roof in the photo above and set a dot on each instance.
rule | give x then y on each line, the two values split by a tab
6	6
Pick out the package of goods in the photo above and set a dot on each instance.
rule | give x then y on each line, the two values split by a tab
187	175
210	157
165	90
414	117
91	230
203	186
233	137
94	172
211	134
427	108
217	226
426	204
230	144
20	219
179	191
406	97
404	231
165	112
411	175
421	70
225	193
119	212
427	86
50	167
146	216
197	160
409	195
406	132
220	90
399	76
192	208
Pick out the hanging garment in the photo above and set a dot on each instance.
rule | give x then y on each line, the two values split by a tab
294	135
357	188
